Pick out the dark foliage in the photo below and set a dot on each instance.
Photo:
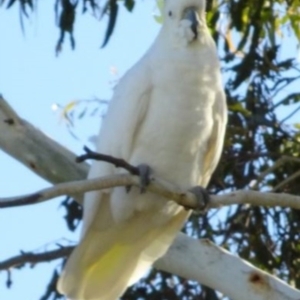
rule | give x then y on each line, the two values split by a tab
65	11
73	213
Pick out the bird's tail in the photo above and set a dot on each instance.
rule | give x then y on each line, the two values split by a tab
105	263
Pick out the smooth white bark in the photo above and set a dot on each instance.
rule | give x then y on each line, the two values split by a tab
34	149
193	259
202	261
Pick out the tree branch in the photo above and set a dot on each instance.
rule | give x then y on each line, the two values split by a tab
158	186
35	150
208	264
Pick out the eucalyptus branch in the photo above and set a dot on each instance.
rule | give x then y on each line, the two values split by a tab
157	186
7	110
36	150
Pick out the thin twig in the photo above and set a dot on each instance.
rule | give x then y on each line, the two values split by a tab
289	115
34	258
8	280
117	162
275	166
286	181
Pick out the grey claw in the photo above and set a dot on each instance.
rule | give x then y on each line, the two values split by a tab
202	197
128	188
145	176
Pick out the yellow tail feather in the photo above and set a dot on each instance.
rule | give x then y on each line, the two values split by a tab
106	262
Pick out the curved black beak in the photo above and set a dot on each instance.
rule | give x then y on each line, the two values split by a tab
191	14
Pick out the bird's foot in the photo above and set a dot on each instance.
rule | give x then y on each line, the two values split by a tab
145	173
145	176
202	197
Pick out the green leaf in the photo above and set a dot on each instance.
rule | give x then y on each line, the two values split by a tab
112	7
10	3
297	125
292	98
238	107
159	16
129	4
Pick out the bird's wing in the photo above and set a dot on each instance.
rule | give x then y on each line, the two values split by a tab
215	143
126	112
100	234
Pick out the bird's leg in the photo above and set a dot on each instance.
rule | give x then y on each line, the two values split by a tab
145	176
145	173
202	197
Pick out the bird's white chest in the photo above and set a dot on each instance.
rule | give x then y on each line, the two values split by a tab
174	134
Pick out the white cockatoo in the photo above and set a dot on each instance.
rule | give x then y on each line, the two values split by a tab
169	112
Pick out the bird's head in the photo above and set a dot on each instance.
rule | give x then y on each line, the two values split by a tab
185	19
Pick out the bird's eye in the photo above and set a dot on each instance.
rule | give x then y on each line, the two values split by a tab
170	14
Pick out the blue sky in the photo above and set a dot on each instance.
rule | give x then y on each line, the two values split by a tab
32	78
